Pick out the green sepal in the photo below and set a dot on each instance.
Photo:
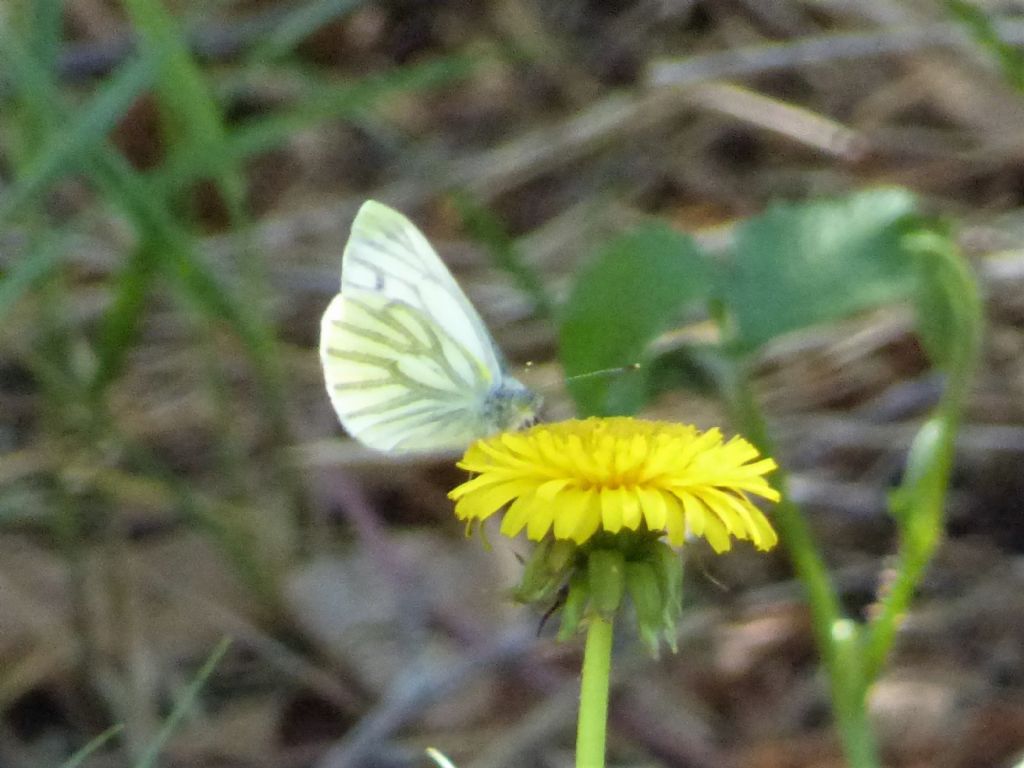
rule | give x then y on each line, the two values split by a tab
642	582
545	571
668	564
606	569
575	605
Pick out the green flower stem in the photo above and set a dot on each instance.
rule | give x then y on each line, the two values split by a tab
847	685
597	662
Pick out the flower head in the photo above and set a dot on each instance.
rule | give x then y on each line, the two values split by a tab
578	477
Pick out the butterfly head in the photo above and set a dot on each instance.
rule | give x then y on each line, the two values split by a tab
511	406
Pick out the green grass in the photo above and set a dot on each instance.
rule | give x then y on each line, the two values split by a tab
55	136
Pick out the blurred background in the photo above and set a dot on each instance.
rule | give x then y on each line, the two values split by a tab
178	179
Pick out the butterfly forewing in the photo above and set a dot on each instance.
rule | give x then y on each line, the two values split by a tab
387	254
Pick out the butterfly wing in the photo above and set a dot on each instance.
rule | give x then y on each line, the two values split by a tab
386	254
408	363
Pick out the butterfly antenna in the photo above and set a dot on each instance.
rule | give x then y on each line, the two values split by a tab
605	372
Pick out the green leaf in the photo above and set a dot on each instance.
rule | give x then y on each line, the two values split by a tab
42	21
123	320
546	570
636	289
799	265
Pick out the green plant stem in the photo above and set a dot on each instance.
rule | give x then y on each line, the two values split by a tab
923	493
847	685
920	537
593	722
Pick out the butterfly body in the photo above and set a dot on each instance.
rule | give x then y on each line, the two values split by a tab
408	363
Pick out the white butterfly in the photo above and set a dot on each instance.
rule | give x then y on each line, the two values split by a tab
408	362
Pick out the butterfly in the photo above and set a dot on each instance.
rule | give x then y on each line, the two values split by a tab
408	363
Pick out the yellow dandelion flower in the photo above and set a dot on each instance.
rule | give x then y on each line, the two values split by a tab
578	477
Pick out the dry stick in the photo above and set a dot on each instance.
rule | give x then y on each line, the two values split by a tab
824	49
838	432
798	123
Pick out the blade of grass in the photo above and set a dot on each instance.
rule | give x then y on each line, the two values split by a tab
326	102
196	126
39	263
39	26
43	20
193	121
188	110
173	248
121	322
184	703
982	29
97	743
299	24
170	247
89	128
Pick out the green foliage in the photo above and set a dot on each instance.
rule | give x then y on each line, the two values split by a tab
798	265
62	153
190	116
576	600
636	289
55	133
795	267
